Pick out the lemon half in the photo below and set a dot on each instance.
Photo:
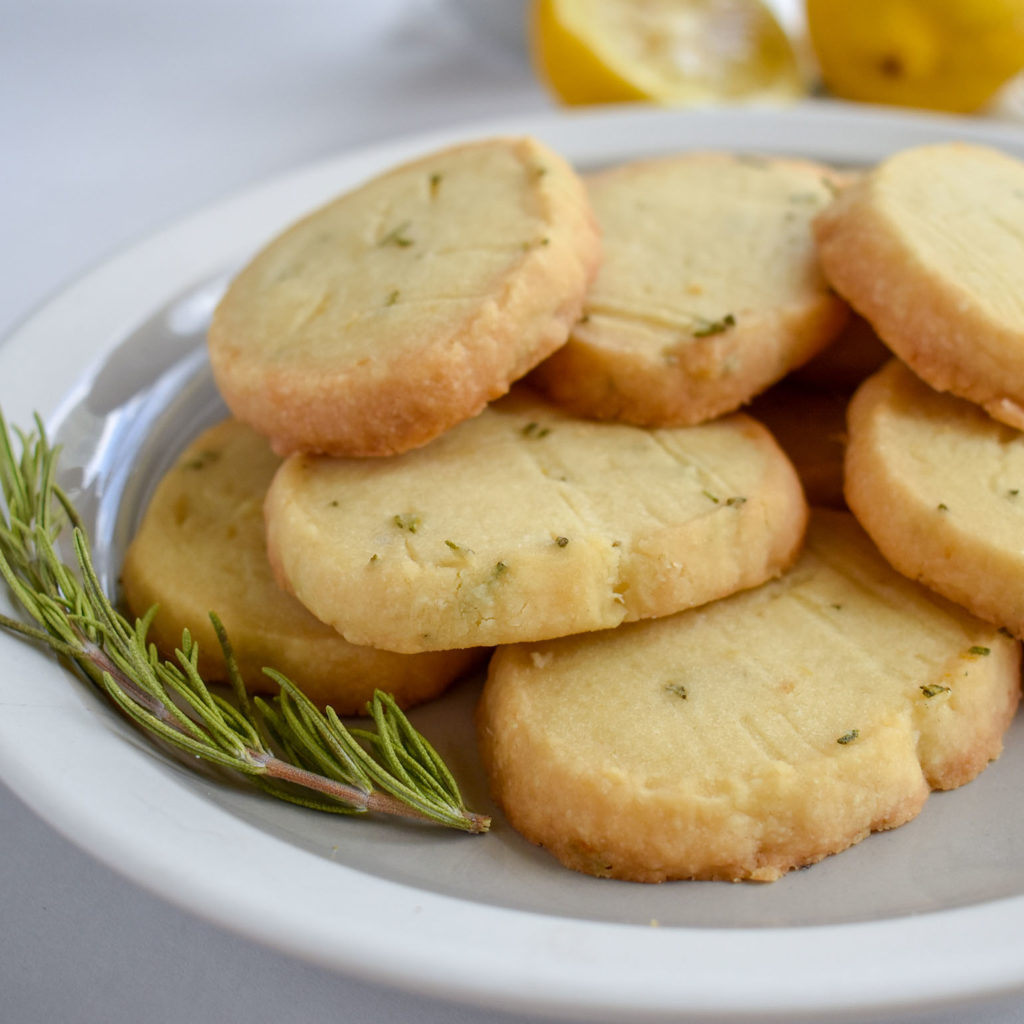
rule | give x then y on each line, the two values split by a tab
673	52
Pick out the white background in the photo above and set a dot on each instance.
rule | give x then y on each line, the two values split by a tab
116	117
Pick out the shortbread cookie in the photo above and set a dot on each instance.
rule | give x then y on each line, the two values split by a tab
200	548
810	425
526	522
402	308
929	247
710	289
940	487
754	735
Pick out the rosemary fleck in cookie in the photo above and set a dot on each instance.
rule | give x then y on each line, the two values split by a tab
929	248
526	522
200	548
403	307
754	735
939	485
709	292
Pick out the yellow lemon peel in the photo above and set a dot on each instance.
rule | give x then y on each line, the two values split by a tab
939	54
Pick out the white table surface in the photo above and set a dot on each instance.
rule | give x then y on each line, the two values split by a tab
116	117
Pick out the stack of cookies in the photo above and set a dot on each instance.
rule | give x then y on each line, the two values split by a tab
488	411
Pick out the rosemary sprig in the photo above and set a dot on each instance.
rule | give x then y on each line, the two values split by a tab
288	746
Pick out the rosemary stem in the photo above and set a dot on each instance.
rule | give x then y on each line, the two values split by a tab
355	796
99	657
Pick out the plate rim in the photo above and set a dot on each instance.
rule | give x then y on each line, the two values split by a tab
525	962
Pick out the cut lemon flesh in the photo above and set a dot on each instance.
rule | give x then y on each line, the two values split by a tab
673	52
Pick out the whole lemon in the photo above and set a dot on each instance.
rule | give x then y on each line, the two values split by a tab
941	54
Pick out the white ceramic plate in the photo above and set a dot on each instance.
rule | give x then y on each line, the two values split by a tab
929	915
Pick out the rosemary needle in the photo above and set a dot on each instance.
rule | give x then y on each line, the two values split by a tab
287	747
